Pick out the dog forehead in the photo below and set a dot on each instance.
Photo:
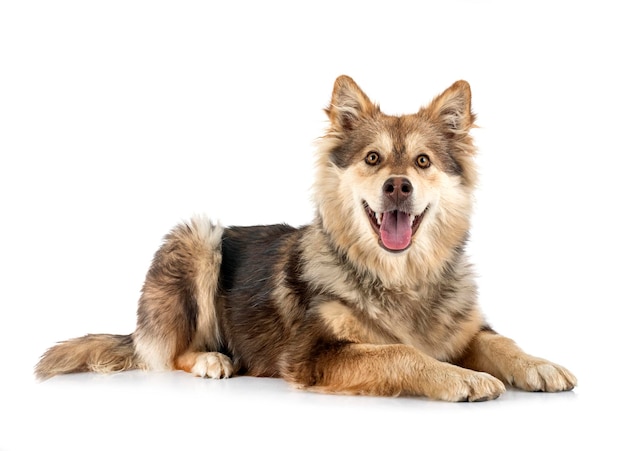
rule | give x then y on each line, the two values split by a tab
402	139
385	135
402	136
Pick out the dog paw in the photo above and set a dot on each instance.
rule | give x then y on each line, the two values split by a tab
466	385
533	374
213	365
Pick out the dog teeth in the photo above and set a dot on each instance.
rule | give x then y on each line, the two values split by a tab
411	219
379	218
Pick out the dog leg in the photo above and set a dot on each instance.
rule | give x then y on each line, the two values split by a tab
501	357
177	312
214	365
391	370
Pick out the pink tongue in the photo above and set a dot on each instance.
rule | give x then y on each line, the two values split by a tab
395	230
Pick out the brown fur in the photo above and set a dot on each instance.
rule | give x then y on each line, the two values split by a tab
336	306
93	352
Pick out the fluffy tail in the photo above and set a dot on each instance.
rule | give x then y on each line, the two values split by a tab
103	353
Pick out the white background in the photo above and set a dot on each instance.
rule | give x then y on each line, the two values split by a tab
119	119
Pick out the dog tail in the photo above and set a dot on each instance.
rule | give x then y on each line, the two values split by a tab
102	353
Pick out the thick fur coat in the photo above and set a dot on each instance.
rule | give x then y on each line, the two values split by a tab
375	296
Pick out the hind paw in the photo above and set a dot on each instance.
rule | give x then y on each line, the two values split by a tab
214	365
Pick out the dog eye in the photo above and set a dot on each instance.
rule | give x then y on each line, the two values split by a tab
372	158
422	161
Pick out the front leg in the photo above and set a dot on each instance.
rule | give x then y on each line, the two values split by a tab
501	357
389	370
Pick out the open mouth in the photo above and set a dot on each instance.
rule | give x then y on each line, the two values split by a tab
394	228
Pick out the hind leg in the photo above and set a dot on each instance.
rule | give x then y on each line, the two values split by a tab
177	315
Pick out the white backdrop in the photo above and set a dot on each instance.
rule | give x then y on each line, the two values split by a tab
119	119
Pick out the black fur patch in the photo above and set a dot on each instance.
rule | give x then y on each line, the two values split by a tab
252	258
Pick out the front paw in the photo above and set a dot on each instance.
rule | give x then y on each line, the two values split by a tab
460	384
534	374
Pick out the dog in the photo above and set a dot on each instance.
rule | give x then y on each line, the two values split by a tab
375	296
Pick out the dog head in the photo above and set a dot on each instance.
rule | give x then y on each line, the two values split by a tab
401	185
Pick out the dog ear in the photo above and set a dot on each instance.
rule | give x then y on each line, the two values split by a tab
348	104
452	110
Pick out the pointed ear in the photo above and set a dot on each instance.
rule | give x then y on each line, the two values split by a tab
348	105
452	110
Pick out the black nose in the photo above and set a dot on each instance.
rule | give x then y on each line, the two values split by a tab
397	188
